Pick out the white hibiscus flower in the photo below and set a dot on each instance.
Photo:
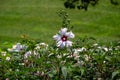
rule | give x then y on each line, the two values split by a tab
31	53
17	48
63	38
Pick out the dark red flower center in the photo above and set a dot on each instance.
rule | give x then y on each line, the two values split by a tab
64	38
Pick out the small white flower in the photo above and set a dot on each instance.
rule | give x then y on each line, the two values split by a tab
86	57
104	62
63	38
3	53
17	48
37	73
17	70
106	49
95	44
99	47
22	64
35	53
80	50
8	58
79	63
76	57
27	54
7	79
59	56
41	45
10	69
30	53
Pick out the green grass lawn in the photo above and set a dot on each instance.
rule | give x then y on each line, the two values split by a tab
39	20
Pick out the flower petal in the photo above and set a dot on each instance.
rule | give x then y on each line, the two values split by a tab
27	54
64	43
70	34
63	31
61	44
68	43
57	37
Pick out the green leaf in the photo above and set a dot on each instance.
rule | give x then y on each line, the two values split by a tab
114	74
64	72
108	58
82	71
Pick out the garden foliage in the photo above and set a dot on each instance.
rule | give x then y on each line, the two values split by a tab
83	59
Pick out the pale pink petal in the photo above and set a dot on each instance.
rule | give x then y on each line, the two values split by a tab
57	37
68	43
70	34
61	44
27	54
18	46
64	43
63	31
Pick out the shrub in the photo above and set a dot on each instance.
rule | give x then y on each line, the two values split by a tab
83	59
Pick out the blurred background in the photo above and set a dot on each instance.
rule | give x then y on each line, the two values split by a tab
39	20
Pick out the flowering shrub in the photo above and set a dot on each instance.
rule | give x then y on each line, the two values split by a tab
83	59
